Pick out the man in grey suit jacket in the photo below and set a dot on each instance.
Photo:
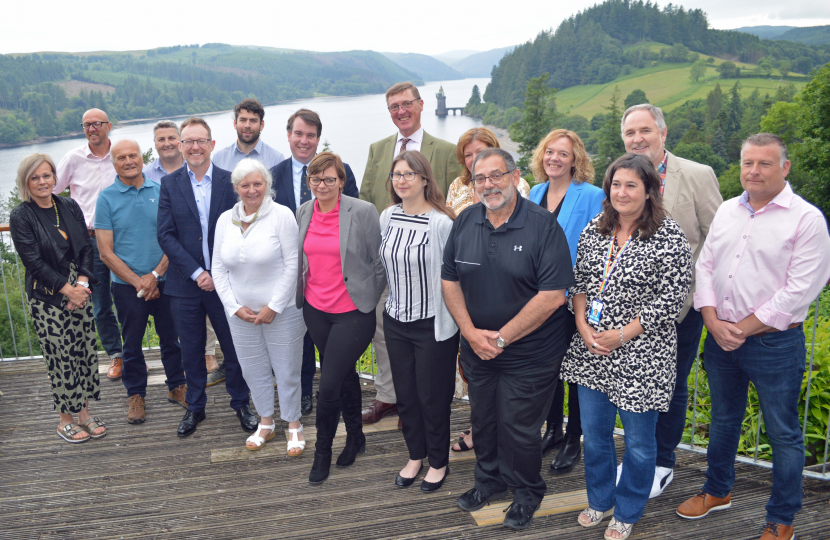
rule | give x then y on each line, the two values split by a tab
691	196
405	106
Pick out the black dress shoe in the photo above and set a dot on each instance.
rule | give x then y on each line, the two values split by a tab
568	457
434	486
475	499
403	481
189	422
306	405
519	516
247	419
552	438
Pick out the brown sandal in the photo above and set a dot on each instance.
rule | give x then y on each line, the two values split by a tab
69	431
92	424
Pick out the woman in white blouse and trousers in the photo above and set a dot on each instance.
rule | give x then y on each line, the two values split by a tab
254	271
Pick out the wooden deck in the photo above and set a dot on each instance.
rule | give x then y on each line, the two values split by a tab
142	481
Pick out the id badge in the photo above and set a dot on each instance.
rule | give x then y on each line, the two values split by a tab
595	314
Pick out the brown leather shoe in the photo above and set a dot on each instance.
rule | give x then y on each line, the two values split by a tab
114	371
377	410
135	410
701	504
777	531
177	395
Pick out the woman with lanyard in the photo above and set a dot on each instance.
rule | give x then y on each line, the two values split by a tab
633	272
50	236
564	174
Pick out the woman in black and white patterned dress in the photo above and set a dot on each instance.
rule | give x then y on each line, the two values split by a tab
633	271
421	335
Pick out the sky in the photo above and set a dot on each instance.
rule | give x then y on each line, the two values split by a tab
422	26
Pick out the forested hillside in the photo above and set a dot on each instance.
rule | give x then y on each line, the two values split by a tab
46	94
590	48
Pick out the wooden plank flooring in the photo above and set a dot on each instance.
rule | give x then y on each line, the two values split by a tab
142	481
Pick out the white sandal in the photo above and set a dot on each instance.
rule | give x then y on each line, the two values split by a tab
623	528
595	516
295	442
259	441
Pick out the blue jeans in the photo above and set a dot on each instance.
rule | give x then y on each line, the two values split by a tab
629	497
133	312
670	424
775	365
105	320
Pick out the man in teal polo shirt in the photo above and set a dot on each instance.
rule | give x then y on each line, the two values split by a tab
125	225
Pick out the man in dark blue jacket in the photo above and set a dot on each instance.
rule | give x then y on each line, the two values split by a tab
190	202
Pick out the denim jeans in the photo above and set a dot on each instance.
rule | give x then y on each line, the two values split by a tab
670	424
105	320
774	363
630	496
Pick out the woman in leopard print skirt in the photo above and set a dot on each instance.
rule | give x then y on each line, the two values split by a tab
51	238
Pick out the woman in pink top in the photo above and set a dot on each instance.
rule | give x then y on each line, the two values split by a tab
339	283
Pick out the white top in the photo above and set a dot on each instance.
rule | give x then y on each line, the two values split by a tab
259	267
405	254
414	142
86	175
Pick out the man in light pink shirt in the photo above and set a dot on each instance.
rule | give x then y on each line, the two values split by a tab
87	170
765	260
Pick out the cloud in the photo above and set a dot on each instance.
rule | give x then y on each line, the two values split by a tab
810	11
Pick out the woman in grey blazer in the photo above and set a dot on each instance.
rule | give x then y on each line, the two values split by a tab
339	283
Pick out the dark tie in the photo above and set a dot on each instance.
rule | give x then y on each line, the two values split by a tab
305	194
403	145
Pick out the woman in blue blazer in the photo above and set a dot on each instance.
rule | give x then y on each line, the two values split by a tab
563	174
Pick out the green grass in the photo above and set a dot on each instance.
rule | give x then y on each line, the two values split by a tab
113	78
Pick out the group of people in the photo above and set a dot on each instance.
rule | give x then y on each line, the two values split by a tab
466	281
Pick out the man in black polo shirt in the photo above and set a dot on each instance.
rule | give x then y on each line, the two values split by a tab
505	271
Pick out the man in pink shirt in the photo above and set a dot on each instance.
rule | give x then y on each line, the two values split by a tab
87	170
766	258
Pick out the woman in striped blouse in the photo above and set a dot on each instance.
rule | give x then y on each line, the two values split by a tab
421	336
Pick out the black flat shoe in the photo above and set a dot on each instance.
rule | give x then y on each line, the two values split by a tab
402	481
475	499
306	405
519	516
552	438
568	457
434	486
247	419
189	422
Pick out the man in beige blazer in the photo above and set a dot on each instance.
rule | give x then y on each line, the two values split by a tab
405	106
691	196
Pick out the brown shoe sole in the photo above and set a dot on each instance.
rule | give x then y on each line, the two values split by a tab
177	402
713	509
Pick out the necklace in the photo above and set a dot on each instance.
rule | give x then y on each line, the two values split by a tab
58	221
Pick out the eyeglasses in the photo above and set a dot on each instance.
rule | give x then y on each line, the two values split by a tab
329	180
496	178
405	105
96	125
408	176
189	143
47	176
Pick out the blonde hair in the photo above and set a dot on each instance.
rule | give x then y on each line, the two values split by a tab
475	134
582	169
27	168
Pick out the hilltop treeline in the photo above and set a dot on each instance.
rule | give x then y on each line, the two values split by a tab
174	80
588	47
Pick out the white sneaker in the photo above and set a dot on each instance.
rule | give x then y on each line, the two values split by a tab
662	478
619	473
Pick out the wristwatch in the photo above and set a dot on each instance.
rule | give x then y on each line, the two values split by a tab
500	343
156	275
84	284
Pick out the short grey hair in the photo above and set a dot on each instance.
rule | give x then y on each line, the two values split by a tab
165	124
249	166
655	113
120	141
509	162
766	139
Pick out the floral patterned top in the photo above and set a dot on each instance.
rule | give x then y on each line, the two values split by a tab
459	196
650	281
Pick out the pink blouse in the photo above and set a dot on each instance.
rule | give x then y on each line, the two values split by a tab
325	289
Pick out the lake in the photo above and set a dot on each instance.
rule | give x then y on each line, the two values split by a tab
350	125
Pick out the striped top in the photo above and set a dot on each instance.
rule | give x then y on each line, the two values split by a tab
405	255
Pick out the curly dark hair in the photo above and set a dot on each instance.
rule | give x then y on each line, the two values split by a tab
653	213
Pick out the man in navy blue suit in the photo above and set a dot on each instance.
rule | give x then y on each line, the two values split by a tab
304	129
190	202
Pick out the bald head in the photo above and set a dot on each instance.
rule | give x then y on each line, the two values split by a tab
127	160
97	127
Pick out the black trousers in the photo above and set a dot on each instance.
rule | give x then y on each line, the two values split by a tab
423	371
508	403
556	416
341	339
309	366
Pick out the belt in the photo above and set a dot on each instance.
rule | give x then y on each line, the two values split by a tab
91	232
790	327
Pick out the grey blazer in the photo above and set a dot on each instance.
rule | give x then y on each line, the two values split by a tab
363	271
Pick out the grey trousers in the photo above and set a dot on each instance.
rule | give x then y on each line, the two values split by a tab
279	347
383	379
